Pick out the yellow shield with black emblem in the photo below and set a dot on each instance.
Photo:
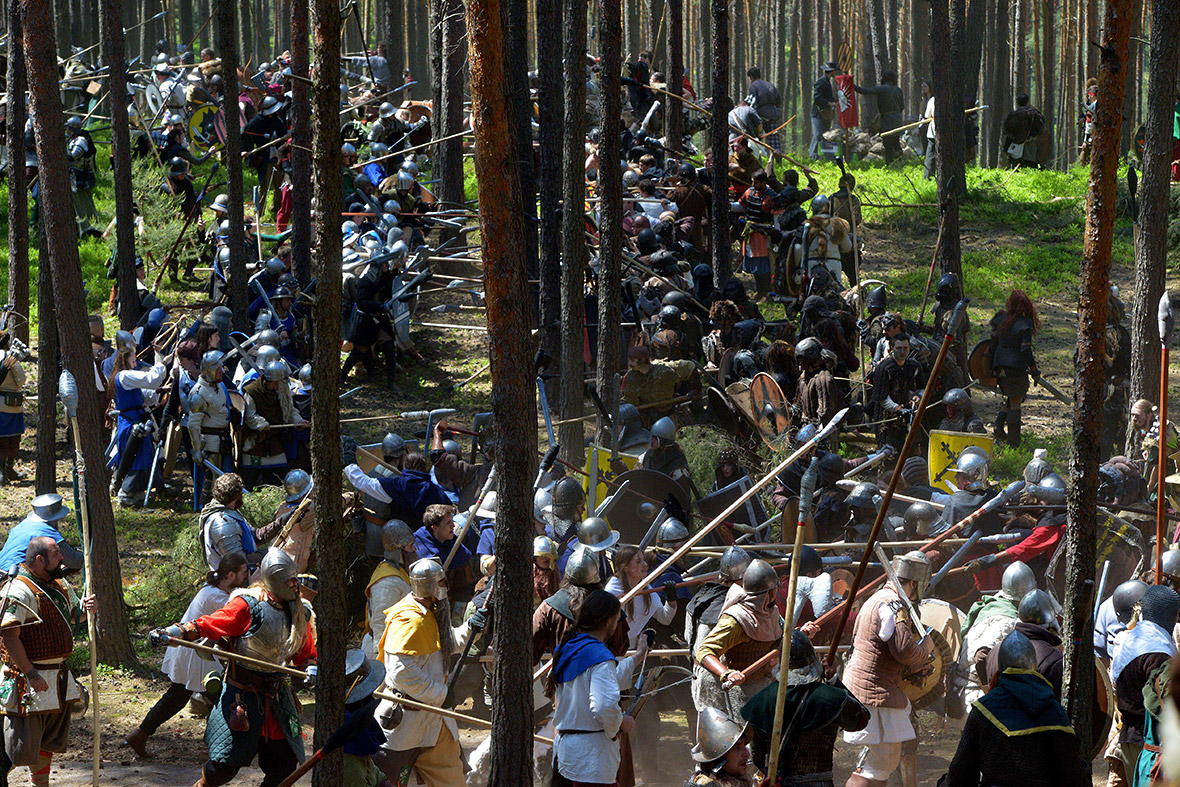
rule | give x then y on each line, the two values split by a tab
945	448
598	465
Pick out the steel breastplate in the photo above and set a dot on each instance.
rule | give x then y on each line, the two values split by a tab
267	636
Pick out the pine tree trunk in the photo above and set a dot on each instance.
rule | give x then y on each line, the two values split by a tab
720	143
610	190
113	642
395	43
301	139
1089	378
331	607
45	476
673	125
634	43
659	30
239	297
946	18
436	11
18	195
551	140
1152	245
1001	97
521	26
1048	41
1019	51
920	51
502	234
573	233
835	30
806	67
450	158
61	17
975	19
116	63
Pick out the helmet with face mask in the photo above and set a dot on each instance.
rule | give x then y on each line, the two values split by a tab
277	570
427	579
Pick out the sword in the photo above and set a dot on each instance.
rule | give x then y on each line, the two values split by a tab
152	475
954	561
545	411
915	621
872	461
1057	394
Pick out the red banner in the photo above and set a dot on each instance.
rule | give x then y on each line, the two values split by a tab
846	110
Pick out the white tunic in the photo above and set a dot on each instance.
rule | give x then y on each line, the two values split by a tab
643	609
591	702
185	665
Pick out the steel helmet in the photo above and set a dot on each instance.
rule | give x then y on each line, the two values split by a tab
877	298
427	579
1037	607
975	467
914	565
864	495
820	205
543	546
568	498
541	501
266	355
948	287
1125	597
275	267
670	314
919	517
161	67
211	362
672	533
451	447
1038	467
805	434
361	182
393	446
270	105
74	123
955	397
378	149
123	340
582	567
1171	563
716	735
386	110
223	229
268	337
276	371
297	484
305	375
664	429
734	561
809	560
177	166
759	578
1018	580
1017	652
405	181
809	349
220	204
596	534
348	149
1053	481
376	131
277	569
410	167
687	172
396	535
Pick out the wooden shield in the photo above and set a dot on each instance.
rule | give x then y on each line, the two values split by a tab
979	364
152	100
750	513
202	125
722	411
924	684
1103	709
219	125
945	622
637	507
944	449
606	476
770	409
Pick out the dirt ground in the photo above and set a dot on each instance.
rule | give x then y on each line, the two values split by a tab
451	356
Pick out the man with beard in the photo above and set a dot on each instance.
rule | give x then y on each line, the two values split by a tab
389	582
749	627
280	626
546	577
885	646
416	645
897	387
36	625
704	610
223	529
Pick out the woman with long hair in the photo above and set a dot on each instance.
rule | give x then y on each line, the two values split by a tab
1013	360
134	395
630	569
185	668
585	685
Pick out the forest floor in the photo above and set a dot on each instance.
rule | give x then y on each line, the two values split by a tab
1019	229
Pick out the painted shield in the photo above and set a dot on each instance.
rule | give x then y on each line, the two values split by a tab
598	463
770	410
750	513
945	621
219	125
945	448
202	124
979	364
722	411
926	683
633	509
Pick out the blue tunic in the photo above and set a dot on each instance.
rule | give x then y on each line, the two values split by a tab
12	424
13	553
129	403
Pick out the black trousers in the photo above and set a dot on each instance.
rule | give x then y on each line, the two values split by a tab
166	707
276	759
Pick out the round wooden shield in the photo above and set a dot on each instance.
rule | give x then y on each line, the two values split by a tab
771	412
945	623
417	110
152	100
1103	709
979	364
721	411
637	507
925	684
202	127
219	125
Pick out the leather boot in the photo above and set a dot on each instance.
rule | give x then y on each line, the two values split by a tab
138	743
1013	428
998	426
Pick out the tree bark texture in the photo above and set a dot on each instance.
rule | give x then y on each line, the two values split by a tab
675	23
551	139
395	42
1089	380
18	194
454	59
521	27
69	308
502	235
573	233
720	143
45	475
239	297
1001	98
1152	245
806	70
948	122
301	143
116	63
610	190
436	10
327	161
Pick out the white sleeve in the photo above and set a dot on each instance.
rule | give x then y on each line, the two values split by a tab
666	612
365	484
151	378
604	698
888	623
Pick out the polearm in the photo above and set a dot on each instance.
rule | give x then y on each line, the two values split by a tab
917	123
67	390
957	317
297	673
1166	323
189	220
806	492
483	493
